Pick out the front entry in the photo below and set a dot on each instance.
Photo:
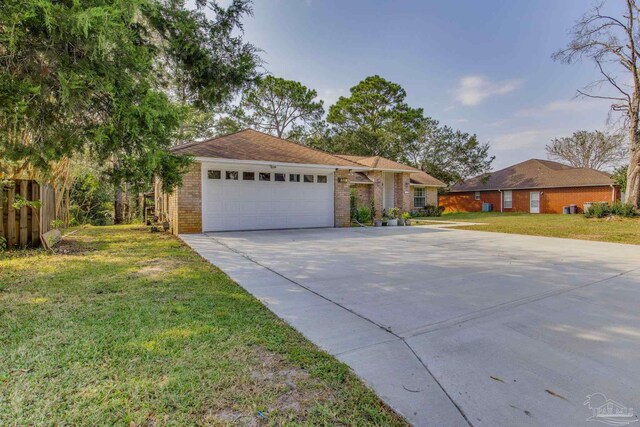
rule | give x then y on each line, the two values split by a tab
388	194
534	202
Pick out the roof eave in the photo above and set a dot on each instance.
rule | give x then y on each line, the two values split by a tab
270	163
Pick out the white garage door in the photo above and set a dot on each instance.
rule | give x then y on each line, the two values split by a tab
262	198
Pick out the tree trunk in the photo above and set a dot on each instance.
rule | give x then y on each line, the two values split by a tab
118	208
632	195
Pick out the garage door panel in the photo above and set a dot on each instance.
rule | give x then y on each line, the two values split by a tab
253	205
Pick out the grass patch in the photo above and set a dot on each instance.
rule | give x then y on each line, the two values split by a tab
125	327
614	229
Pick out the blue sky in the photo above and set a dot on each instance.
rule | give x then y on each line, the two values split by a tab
483	67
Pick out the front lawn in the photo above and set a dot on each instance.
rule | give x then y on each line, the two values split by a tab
125	327
619	230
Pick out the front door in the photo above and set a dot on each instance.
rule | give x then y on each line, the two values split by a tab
534	202
388	195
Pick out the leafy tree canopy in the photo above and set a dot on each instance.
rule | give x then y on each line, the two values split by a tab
447	154
276	105
102	75
374	119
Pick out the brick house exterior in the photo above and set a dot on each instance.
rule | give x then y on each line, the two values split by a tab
234	164
555	185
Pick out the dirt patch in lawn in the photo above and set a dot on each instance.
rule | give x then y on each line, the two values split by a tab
157	267
74	244
287	391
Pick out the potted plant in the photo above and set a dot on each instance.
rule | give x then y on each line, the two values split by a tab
407	218
392	214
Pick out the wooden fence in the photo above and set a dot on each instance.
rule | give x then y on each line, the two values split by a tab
20	227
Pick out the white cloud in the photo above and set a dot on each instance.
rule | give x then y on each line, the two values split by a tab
330	96
472	90
565	106
534	138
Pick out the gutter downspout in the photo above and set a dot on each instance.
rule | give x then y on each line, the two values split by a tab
501	202
613	193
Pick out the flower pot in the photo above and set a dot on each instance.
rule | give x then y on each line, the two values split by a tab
407	222
392	222
400	221
377	223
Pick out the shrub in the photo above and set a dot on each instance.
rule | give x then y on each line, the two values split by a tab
623	209
3	244
598	210
601	210
428	210
363	215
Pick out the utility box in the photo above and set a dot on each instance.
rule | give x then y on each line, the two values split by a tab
487	207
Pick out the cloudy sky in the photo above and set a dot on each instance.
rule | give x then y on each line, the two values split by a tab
484	67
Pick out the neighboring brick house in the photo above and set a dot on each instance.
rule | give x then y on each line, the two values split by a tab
535	186
250	180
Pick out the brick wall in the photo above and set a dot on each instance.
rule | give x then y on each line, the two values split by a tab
189	202
431	194
401	192
342	198
552	200
363	194
378	188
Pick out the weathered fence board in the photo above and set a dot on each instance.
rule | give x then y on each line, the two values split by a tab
11	218
35	222
23	227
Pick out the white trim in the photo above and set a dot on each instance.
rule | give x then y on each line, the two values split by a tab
290	165
428	185
394	170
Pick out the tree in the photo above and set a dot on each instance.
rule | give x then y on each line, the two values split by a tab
613	43
374	120
447	154
100	76
275	105
595	150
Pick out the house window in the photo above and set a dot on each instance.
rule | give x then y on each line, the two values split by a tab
322	179
507	199
294	177
248	176
419	197
232	175
214	174
264	176
279	177
308	178
477	195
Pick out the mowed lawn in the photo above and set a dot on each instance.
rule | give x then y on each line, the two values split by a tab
618	230
126	327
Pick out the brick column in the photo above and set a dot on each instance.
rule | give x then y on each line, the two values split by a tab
341	199
376	193
401	192
188	197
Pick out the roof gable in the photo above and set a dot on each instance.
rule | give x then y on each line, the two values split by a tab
535	173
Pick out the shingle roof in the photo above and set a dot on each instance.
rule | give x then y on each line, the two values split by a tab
359	178
535	173
250	144
377	162
425	179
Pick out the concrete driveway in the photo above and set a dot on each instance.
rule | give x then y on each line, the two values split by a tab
455	327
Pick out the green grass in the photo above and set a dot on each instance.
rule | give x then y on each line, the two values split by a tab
126	327
619	230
